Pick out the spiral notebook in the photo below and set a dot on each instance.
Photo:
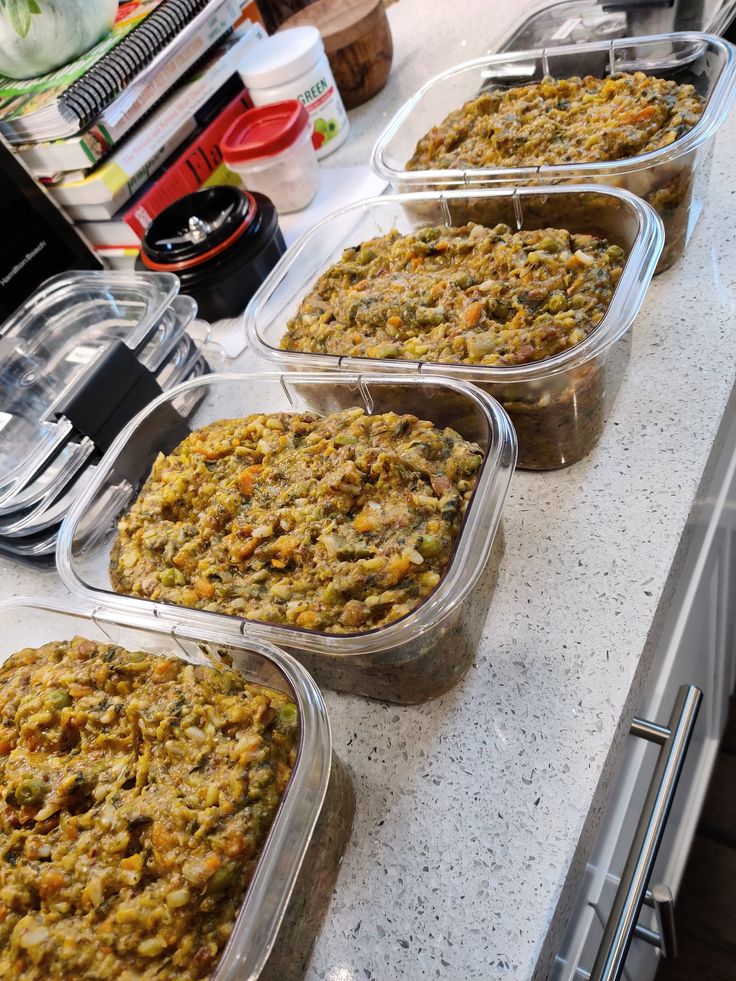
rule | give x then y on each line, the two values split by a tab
143	51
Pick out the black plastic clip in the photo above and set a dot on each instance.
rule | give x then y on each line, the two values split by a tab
115	391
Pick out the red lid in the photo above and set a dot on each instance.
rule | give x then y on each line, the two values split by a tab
264	131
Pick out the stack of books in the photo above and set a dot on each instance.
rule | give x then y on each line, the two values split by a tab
135	123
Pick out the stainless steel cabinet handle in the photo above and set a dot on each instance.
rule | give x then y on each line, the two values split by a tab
659	898
621	926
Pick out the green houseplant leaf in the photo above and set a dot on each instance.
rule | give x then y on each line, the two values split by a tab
19	14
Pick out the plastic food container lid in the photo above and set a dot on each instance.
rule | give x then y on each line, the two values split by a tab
50	343
582	21
50	352
280	58
264	131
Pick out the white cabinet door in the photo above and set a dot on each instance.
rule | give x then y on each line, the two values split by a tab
693	655
696	646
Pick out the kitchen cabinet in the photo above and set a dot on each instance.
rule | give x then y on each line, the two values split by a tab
696	645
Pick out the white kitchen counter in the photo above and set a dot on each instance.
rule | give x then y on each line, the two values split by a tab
472	808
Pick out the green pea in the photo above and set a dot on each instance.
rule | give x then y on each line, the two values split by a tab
171	577
222	878
549	245
331	594
388	351
288	716
58	699
430	315
469	465
428	546
32	790
230	682
557	302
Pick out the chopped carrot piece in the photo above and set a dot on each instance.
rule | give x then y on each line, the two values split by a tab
50	883
247	479
204	589
473	314
366	521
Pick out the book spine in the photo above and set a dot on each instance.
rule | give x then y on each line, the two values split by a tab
115	183
190	171
87	97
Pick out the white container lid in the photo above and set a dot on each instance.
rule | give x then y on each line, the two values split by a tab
281	57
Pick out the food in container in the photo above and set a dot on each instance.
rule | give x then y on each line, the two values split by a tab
146	850
557	404
145	818
672	177
221	242
468	295
562	120
416	656
270	149
338	523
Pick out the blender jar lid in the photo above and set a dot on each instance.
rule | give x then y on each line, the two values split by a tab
197	227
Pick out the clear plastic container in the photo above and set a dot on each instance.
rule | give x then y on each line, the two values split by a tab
300	860
415	658
170	327
582	21
49	510
673	179
270	149
558	405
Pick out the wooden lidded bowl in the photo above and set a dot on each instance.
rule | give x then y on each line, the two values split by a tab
358	44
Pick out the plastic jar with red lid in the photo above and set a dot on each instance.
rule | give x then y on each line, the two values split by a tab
270	149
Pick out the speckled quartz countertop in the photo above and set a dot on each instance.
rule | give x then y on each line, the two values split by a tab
472	809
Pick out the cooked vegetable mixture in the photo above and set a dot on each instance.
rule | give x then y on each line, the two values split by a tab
137	791
472	295
561	120
339	523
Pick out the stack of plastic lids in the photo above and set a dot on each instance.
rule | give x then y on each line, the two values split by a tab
77	361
